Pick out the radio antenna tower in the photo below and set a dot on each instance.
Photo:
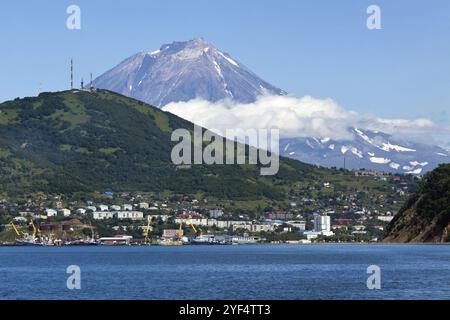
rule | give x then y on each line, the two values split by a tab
71	74
92	85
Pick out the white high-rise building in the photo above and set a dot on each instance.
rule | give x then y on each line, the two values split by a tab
322	224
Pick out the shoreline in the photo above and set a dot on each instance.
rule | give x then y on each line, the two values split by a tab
241	245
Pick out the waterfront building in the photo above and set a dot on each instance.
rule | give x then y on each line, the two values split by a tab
322	225
300	225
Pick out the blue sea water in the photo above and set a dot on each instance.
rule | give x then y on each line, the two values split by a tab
227	272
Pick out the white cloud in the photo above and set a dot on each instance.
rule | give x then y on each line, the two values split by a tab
295	117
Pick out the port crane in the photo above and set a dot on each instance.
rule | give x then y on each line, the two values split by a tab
197	232
36	229
180	230
15	229
19	233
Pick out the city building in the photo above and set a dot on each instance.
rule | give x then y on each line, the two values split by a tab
255	227
103	215
300	225
133	215
144	205
215	213
322	225
103	207
65	212
51	212
385	218
172	233
80	211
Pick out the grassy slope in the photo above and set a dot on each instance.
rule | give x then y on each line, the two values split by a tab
70	142
426	216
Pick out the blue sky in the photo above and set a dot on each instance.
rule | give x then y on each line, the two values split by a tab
319	48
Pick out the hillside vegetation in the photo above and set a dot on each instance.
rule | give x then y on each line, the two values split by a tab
426	216
82	142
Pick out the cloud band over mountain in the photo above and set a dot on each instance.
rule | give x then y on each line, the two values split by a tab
297	117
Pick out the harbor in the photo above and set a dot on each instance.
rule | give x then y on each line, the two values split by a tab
37	237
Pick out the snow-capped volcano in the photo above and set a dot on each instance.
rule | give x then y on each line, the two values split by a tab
182	71
368	150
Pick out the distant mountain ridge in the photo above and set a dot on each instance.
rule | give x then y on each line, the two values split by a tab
369	150
182	71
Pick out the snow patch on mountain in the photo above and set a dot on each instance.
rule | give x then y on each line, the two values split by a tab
415	171
415	163
364	136
394	165
388	147
229	59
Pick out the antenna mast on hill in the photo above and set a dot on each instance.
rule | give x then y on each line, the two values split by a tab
71	74
92	85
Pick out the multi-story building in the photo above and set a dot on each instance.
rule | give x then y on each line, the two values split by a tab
215	213
133	215
103	215
322	225
255	227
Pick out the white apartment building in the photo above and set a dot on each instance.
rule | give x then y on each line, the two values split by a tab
144	205
133	215
103	215
255	227
51	212
103	207
65	212
322	225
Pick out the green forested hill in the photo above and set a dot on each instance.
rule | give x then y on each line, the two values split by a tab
76	141
426	216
